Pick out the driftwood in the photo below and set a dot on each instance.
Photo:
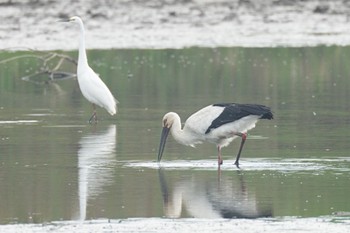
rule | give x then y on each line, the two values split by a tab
51	73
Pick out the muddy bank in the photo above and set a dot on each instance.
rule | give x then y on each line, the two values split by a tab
310	225
175	23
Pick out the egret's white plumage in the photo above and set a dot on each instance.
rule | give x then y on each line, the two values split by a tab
91	86
217	123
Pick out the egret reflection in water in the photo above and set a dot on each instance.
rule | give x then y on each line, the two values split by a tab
96	162
215	198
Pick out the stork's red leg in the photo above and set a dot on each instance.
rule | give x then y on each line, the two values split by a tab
220	161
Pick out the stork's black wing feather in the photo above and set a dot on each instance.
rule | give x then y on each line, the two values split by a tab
233	112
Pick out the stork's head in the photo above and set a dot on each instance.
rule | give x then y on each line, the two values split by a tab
167	123
168	120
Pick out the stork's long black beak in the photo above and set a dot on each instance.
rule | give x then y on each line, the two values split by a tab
163	138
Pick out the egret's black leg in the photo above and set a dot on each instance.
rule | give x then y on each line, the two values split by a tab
244	137
94	115
93	118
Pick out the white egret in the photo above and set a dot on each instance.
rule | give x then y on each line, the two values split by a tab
217	123
91	86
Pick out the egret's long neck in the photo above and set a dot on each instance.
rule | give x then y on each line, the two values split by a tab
82	60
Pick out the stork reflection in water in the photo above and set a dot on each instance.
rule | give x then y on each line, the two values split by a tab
208	197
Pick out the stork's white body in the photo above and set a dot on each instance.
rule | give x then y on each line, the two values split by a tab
197	124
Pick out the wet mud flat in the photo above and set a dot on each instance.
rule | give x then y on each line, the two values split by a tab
174	23
310	225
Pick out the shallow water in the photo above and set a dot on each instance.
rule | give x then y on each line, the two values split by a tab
55	166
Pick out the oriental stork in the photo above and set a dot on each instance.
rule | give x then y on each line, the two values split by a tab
216	123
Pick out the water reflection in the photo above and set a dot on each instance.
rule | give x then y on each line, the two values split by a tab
223	197
96	162
308	88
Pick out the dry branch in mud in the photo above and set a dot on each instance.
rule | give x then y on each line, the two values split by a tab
51	66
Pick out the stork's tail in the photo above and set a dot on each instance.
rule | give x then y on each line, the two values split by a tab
267	115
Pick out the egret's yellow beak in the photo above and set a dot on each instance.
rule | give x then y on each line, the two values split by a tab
63	20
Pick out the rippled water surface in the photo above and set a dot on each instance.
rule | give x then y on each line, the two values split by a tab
55	166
